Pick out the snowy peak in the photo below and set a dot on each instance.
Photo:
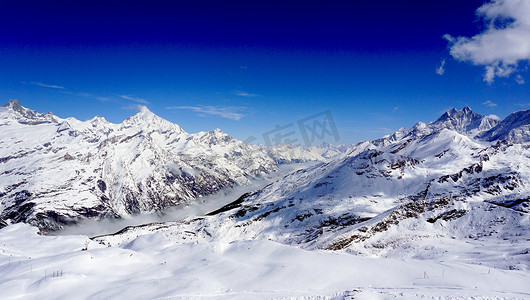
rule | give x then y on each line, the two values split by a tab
14	105
514	128
215	137
465	121
98	120
27	116
464	113
143	115
148	121
145	112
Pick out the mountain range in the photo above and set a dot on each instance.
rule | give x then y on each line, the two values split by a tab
454	188
458	185
58	172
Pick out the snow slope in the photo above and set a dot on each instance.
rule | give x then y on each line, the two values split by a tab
158	266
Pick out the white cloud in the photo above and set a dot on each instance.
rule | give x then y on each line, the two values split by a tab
489	104
135	107
245	94
503	45
498	70
519	79
67	92
228	112
51	86
86	95
441	69
134	99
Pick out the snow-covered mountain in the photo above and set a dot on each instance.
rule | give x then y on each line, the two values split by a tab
465	121
515	128
420	192
59	171
442	206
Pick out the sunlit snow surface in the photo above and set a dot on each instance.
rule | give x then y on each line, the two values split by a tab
430	212
155	266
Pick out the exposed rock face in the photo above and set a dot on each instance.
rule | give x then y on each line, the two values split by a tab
57	171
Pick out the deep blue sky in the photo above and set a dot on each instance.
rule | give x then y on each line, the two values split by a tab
264	63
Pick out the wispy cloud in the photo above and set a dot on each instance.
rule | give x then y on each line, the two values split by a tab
228	112
135	107
134	99
494	117
489	104
519	79
64	90
441	69
504	43
51	86
86	95
245	94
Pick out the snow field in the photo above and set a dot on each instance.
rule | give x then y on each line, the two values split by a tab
154	267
